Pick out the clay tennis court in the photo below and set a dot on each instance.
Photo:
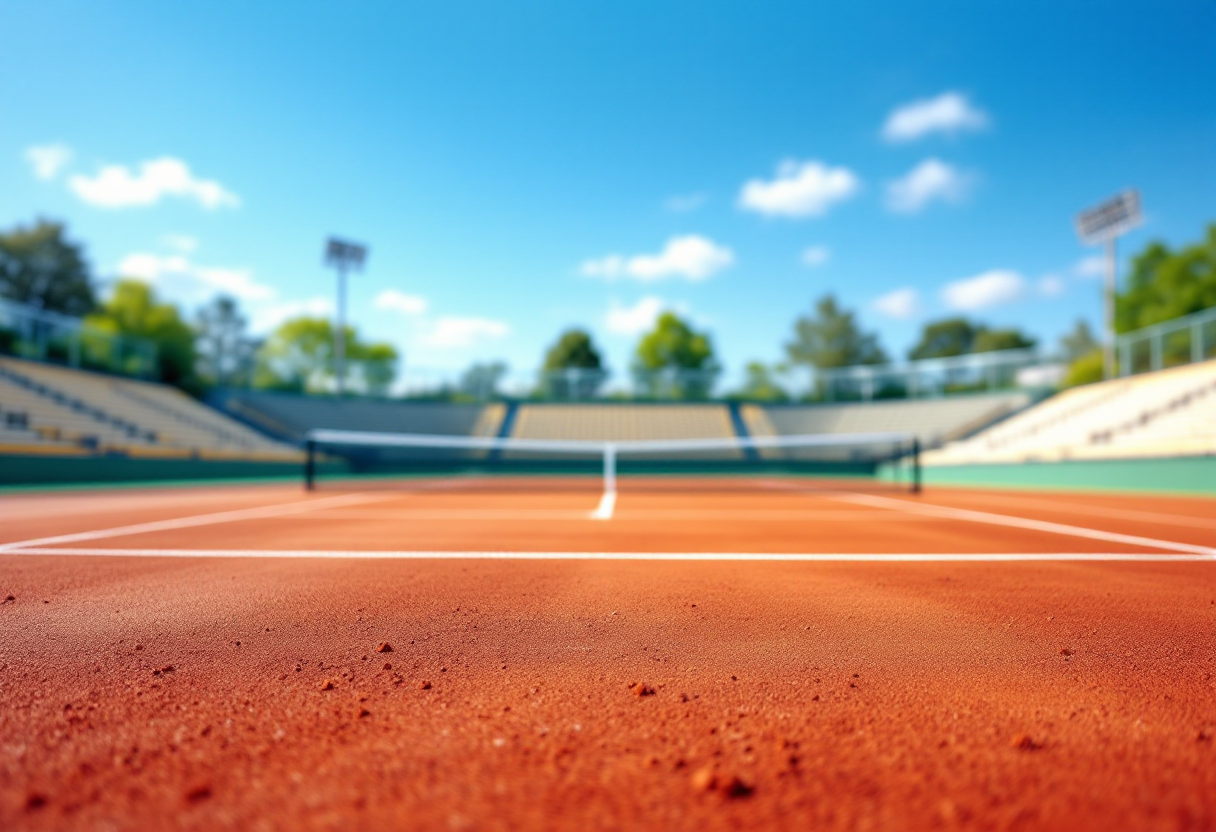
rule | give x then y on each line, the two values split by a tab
470	653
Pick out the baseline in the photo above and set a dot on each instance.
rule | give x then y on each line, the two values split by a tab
847	557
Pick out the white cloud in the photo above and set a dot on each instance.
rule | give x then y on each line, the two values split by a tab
267	317
984	290
800	189
178	276
116	186
48	160
691	257
1092	266
180	242
816	256
1051	286
451	332
396	301
948	113
931	180
900	304
682	203
633	320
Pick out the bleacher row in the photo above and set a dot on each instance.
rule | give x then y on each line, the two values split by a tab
1167	413
50	409
54	410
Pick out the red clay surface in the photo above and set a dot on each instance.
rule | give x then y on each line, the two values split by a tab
247	692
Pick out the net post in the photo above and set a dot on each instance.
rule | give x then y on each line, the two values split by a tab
916	475
310	464
609	468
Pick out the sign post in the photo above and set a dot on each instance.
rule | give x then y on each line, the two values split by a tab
343	256
1104	224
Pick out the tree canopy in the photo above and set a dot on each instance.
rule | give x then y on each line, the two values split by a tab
574	349
133	309
225	351
959	336
675	347
831	337
40	267
299	356
1166	284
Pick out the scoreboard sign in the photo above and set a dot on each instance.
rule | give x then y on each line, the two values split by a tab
1110	219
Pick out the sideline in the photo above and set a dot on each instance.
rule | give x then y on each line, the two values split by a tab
971	516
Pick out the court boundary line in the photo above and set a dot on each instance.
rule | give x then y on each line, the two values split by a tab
1010	521
194	520
741	557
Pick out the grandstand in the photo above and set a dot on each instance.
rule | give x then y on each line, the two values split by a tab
1168	413
932	421
49	409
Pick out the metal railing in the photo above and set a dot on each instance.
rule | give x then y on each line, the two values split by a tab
29	332
1185	340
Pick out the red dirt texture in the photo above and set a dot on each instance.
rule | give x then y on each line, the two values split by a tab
248	693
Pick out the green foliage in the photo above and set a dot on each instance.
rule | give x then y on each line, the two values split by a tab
480	381
573	349
40	267
1086	369
225	352
993	340
133	309
759	385
1080	342
959	336
832	338
299	356
1166	284
675	361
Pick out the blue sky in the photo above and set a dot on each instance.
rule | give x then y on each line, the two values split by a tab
519	168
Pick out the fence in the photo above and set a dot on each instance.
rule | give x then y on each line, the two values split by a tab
1184	340
29	332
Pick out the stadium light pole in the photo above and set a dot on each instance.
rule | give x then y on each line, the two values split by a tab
1104	224
343	256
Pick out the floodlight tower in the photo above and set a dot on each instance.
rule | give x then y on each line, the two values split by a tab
1104	224
343	256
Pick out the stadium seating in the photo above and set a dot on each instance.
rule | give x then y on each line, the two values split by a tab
290	416
626	422
43	406
933	421
1166	413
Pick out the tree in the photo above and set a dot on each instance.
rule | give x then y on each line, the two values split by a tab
945	338
225	352
992	340
959	336
1166	284
39	266
760	385
480	381
299	356
133	309
832	338
675	360
1078	343
573	349
573	368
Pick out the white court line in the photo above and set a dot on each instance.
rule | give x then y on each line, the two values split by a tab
530	515
261	512
847	557
950	513
607	504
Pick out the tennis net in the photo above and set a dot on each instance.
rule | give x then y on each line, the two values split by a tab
343	458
